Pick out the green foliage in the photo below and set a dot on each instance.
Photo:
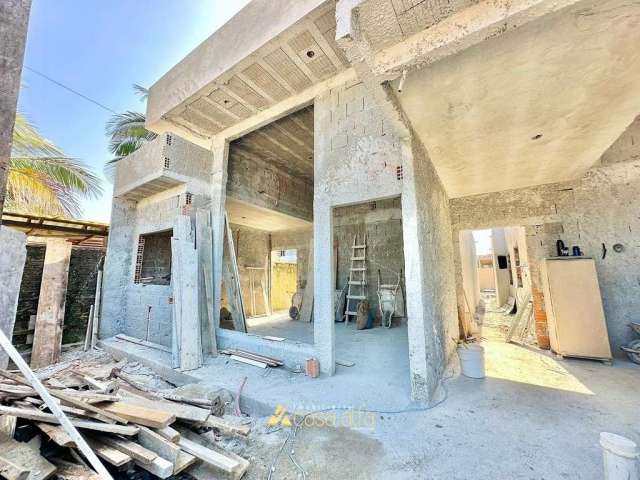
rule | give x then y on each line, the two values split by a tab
41	179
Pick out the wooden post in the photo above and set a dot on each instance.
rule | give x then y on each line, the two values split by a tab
96	311
53	406
47	338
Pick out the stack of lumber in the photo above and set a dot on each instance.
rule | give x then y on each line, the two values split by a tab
127	429
250	358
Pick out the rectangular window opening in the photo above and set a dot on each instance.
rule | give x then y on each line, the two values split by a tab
153	259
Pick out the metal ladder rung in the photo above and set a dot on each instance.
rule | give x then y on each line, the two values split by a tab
358	258
388	285
358	269
357	282
359	246
351	313
356	297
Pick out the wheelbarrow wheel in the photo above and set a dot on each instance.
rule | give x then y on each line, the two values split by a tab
294	312
387	318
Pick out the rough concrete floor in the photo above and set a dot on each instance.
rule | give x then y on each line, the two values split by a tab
533	417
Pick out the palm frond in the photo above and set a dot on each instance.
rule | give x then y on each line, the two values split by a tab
42	180
142	92
127	133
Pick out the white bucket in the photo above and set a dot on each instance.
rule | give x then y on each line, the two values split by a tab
472	360
620	457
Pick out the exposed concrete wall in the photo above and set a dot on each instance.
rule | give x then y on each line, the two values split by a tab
470	276
382	222
11	267
600	208
139	309
429	253
499	247
265	185
516	240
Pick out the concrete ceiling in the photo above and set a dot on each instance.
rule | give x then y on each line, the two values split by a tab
286	143
237	88
536	105
241	213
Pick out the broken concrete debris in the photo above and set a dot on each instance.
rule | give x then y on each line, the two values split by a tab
127	424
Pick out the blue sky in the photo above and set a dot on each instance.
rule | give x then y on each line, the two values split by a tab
100	48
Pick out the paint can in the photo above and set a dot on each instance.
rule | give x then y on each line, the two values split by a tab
620	457
472	360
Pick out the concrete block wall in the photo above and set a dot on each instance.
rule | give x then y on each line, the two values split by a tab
137	309
265	185
357	155
599	208
382	222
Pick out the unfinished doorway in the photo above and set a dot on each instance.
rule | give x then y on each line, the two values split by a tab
370	287
496	284
269	235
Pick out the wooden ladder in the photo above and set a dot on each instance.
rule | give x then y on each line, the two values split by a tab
357	291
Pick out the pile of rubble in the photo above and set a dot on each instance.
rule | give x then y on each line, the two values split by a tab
130	425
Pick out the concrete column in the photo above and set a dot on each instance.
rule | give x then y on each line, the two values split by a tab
118	268
14	18
324	334
421	374
429	261
12	260
218	198
47	337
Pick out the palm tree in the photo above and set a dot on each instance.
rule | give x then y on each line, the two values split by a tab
127	130
42	180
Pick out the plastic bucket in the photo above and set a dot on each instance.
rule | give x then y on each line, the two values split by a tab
472	360
620	457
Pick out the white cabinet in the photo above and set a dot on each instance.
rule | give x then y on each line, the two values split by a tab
575	317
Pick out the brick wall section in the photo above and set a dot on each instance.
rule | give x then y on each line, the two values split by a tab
29	291
81	292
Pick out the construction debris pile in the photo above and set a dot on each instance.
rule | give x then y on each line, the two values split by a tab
132	427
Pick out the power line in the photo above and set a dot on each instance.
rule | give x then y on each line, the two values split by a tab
75	92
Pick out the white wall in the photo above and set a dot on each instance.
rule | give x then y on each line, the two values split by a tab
470	280
499	245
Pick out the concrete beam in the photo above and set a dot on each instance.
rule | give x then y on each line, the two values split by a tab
47	338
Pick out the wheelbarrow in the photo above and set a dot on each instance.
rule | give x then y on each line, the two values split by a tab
387	300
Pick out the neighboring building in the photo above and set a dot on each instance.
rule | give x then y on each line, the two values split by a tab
58	283
406	123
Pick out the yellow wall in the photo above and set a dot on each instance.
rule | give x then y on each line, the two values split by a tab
283	285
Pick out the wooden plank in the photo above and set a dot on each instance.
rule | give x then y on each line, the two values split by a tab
58	414
205	470
73	471
180	410
109	454
231	279
156	443
95	324
169	434
226	426
38	416
17	456
12	471
87	335
307	296
185	460
209	456
57	434
141	415
248	361
8	425
204	244
137	452
159	467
